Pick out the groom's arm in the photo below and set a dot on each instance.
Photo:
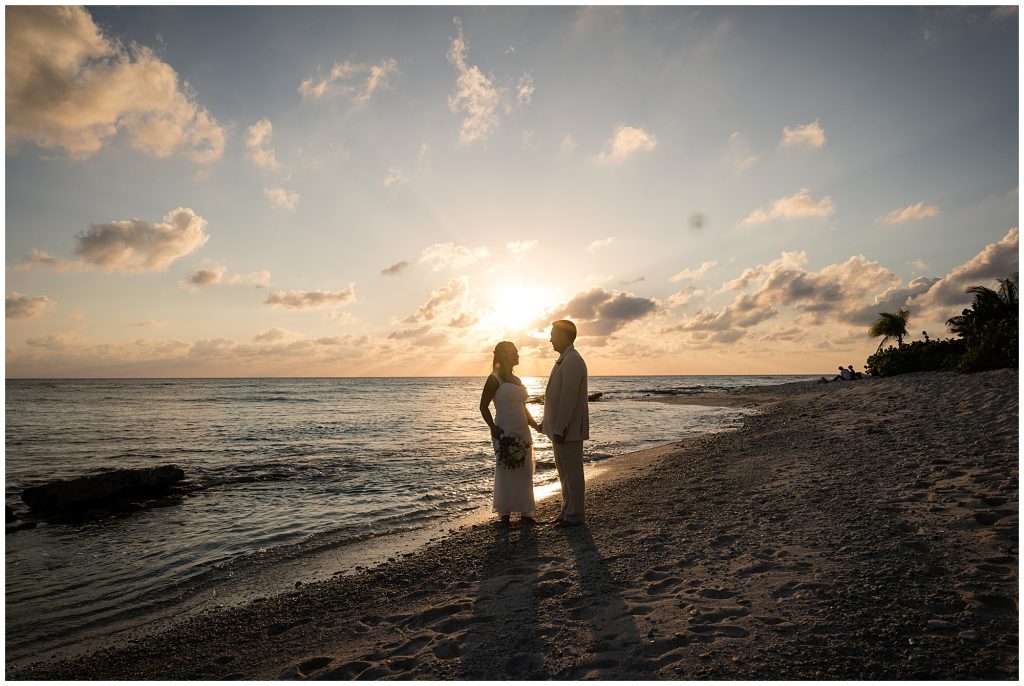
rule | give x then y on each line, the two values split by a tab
572	377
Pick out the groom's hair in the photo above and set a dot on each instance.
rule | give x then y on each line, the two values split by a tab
567	326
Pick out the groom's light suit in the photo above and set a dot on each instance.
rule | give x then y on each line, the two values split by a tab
566	414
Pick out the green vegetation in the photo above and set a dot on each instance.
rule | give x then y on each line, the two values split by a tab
986	337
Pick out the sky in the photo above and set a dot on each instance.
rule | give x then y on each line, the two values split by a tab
390	191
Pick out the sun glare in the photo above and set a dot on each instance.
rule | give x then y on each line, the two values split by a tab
520	307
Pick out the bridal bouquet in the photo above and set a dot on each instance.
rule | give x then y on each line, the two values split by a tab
512	451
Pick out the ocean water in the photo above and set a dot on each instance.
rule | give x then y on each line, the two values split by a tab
285	470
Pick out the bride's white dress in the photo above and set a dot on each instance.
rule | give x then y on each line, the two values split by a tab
513	488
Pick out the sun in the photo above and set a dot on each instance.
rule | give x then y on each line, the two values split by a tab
519	307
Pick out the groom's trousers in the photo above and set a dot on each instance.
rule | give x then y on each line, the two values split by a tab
569	463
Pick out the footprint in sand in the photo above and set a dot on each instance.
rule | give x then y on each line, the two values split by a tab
433	615
663	585
280	628
408	647
345	672
715	593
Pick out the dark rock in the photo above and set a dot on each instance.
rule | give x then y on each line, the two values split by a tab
595	396
10	516
104	490
19	527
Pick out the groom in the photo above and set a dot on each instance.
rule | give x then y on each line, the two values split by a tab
567	421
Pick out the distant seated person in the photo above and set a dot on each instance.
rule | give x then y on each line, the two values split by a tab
844	374
856	375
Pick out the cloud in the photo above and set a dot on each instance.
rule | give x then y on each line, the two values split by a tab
599	312
152	323
439	301
568	145
26	307
524	91
602	243
520	248
451	256
995	261
130	245
739	156
393	176
810	135
352	80
395	269
210	276
305	300
281	198
475	96
258	142
590	18
798	205
908	213
626	142
205	277
70	87
694	274
272	334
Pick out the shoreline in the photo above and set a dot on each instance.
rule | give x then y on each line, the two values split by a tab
790	548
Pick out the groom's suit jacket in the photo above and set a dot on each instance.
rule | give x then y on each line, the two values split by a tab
565	401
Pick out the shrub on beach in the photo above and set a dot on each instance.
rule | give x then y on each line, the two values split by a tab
918	356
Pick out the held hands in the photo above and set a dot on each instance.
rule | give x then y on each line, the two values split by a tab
496	432
558	439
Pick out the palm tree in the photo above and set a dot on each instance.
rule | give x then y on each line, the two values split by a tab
988	305
890	325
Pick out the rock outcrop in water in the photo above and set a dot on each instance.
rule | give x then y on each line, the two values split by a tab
539	399
107	490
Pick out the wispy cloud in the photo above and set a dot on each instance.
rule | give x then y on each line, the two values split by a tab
352	80
520	248
130	245
305	300
19	306
211	276
909	213
798	205
70	87
395	269
601	243
439	301
393	176
626	142
524	91
693	274
809	135
152	323
258	143
279	197
475	96
451	256
739	156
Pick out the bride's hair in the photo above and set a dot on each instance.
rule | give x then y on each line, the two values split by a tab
500	353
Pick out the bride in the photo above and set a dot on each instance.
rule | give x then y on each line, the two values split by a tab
513	484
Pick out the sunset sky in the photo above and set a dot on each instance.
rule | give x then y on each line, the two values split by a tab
319	191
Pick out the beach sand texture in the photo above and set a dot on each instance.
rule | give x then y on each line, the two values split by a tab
857	530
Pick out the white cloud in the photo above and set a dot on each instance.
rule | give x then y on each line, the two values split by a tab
352	80
441	302
451	256
281	198
810	135
210	276
304	300
996	261
524	91
739	157
909	213
800	204
602	243
475	95
568	144
393	176
626	142
152	323
694	274
258	142
20	306
70	87
521	247
130	245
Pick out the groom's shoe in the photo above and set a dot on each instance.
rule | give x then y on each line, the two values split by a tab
556	521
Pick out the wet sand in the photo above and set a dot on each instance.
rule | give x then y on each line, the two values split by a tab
855	530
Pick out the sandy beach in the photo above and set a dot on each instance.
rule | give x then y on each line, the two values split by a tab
849	530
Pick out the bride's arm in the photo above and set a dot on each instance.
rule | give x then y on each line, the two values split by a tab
485	406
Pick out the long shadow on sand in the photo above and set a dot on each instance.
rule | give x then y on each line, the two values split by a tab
619	652
502	641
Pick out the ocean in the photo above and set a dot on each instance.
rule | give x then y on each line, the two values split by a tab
294	479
